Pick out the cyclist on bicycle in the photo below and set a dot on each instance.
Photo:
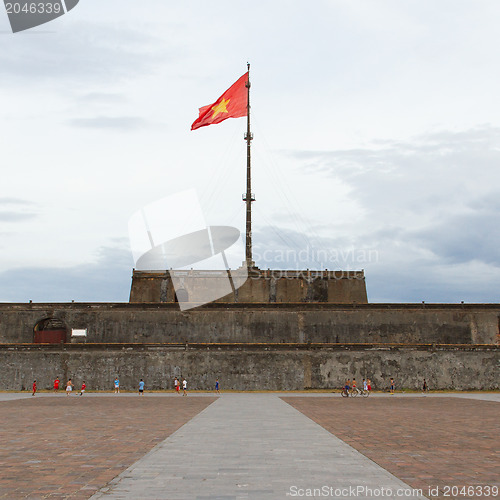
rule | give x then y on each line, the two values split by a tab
347	386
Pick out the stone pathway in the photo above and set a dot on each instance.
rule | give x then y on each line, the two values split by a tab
486	396
11	396
252	446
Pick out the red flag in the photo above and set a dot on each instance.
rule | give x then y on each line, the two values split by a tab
231	104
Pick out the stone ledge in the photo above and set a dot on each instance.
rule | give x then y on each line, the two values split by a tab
244	346
13	306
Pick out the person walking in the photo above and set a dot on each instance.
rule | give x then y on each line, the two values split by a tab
177	385
82	390
69	387
369	385
392	386
424	387
184	387
141	388
34	387
217	390
117	385
56	384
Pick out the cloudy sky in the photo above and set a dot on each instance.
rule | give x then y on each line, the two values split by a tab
376	125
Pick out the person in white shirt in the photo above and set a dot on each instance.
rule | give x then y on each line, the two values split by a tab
184	387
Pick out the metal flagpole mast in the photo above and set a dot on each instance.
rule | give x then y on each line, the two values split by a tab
249	197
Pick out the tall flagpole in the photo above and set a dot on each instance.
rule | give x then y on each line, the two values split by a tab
249	197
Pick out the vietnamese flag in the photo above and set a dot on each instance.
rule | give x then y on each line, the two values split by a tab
231	104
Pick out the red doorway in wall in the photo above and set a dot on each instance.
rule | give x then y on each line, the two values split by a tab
49	331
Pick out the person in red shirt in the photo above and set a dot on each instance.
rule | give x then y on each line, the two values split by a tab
56	384
83	388
34	387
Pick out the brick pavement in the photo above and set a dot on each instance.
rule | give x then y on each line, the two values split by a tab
422	441
252	447
69	447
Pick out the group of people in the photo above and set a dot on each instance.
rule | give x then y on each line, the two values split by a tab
352	387
177	386
142	384
70	386
367	386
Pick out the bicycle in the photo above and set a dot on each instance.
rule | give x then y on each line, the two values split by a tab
356	392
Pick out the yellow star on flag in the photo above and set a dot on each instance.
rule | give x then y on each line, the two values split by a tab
220	108
233	103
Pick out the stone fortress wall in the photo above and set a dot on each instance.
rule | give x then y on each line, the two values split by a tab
239	323
254	346
249	367
262	286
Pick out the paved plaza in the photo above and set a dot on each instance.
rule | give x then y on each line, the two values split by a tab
248	446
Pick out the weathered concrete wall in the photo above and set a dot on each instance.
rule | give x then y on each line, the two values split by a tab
271	286
249	368
143	323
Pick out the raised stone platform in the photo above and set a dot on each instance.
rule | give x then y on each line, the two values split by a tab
261	286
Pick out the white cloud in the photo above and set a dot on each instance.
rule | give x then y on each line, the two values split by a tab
117	122
381	117
105	280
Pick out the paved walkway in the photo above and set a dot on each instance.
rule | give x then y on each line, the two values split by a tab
481	396
251	446
486	396
11	396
